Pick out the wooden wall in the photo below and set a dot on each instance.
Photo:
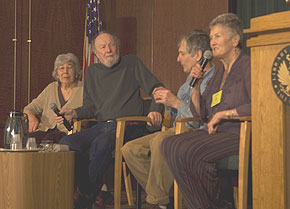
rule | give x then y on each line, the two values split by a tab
148	28
151	29
56	27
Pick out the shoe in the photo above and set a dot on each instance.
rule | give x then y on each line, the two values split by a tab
152	206
82	201
102	200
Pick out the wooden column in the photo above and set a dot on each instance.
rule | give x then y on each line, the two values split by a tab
270	116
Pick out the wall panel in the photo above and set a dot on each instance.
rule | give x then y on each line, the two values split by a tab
144	16
172	19
6	53
159	23
56	27
147	28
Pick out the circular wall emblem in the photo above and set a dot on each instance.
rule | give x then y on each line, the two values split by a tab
280	75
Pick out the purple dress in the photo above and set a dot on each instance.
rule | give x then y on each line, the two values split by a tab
191	156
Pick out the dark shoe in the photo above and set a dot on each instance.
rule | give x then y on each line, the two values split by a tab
82	201
103	199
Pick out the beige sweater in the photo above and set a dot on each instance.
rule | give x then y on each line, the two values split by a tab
40	105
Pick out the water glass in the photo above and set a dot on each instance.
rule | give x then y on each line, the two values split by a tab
31	144
16	142
46	145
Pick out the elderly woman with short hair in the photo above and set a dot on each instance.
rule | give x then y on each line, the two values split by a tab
65	92
191	156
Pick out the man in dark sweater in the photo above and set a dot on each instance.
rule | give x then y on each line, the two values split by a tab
111	90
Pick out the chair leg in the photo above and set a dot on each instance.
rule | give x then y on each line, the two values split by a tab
128	185
244	164
118	163
177	197
180	127
236	200
138	198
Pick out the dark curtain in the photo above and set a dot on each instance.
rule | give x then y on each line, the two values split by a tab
247	9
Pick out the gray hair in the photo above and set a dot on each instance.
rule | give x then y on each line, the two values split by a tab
64	58
233	22
115	38
195	40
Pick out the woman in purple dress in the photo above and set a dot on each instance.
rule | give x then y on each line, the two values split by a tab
191	156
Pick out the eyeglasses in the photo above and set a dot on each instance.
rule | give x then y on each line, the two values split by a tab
64	67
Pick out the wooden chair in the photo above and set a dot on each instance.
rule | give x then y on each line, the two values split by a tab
167	123
119	165
240	162
120	132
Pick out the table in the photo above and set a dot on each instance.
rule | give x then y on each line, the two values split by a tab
36	180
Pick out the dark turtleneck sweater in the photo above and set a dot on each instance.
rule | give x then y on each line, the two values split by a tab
114	92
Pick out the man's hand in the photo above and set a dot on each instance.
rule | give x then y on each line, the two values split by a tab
166	97
69	114
156	119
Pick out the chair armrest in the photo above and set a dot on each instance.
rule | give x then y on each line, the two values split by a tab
184	120
180	123
242	118
166	123
77	124
134	118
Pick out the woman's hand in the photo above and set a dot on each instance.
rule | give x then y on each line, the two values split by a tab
33	123
213	123
226	114
69	114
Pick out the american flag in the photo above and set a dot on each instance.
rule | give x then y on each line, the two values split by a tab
93	27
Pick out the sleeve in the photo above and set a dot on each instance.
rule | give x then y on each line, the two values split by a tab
87	110
184	109
203	114
245	109
147	82
202	102
36	105
171	111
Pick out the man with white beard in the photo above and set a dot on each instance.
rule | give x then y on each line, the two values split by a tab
111	90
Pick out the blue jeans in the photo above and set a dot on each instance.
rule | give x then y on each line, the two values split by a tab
100	141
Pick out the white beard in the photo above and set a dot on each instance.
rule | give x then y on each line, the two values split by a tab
112	62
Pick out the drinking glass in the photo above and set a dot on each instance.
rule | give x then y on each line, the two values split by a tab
16	142
31	143
46	145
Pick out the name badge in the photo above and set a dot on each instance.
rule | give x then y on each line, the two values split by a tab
216	98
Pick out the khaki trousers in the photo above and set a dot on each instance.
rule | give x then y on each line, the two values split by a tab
144	159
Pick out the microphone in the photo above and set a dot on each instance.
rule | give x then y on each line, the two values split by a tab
207	55
56	111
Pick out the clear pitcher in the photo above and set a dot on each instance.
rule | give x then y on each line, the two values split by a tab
16	125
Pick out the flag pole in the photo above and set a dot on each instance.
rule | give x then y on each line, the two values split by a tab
29	54
15	54
85	47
